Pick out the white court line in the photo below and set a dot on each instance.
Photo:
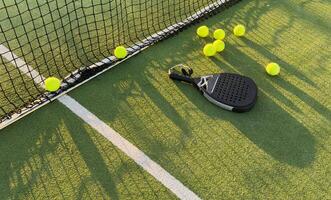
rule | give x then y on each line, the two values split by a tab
160	174
21	65
129	149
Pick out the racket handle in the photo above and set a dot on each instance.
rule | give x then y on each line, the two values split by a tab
183	78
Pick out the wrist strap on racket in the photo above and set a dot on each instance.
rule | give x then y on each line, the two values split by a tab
181	72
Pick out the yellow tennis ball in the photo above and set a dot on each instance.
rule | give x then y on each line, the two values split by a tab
209	50
203	31
239	30
273	69
52	84
120	52
219	45
219	34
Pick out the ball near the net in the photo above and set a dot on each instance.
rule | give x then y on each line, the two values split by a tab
52	84
120	52
203	31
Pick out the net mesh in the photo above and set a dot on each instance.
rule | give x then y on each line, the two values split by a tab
65	38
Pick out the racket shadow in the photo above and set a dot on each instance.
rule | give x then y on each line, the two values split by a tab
273	130
267	125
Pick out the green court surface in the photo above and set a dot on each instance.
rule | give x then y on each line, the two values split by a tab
58	37
279	150
16	91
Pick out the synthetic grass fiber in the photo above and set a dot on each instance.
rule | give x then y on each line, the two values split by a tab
279	150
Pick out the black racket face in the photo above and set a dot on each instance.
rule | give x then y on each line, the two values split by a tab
230	91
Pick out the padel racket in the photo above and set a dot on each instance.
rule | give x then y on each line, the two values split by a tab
229	91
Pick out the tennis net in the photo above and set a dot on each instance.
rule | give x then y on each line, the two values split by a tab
74	40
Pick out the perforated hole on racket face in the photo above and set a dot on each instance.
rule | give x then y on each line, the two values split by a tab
234	90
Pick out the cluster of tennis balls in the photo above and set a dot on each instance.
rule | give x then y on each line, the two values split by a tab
53	84
218	45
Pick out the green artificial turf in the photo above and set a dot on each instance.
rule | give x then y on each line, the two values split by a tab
279	150
15	88
58	37
53	155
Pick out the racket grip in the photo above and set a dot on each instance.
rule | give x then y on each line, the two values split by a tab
178	77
